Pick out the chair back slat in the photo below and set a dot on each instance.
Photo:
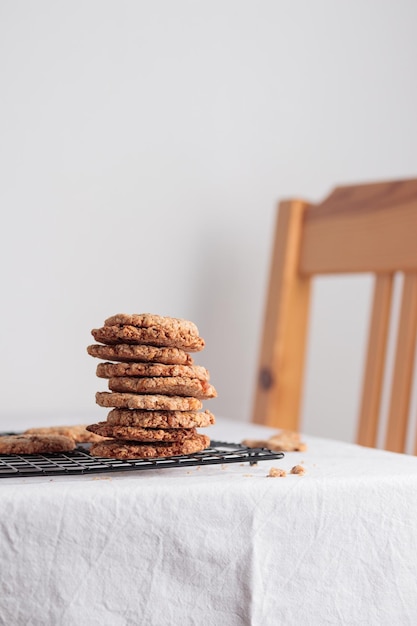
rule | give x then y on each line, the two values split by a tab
375	361
403	367
358	229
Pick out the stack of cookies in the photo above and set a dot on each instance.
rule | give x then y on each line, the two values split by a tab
156	391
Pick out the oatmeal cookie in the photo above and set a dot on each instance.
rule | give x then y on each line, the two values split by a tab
178	386
142	354
137	433
148	402
284	441
35	444
160	419
150	370
78	433
154	336
148	320
119	449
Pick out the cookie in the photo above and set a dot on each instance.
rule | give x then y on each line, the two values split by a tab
284	441
178	386
148	320
160	419
147	354
78	433
148	402
137	433
150	370
154	336
35	444
119	449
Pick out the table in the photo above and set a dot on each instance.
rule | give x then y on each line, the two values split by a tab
217	545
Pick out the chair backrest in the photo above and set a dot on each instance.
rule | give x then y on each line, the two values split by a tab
369	228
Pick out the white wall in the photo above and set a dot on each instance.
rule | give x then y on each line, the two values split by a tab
143	148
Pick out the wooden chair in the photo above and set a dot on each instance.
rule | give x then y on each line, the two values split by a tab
368	228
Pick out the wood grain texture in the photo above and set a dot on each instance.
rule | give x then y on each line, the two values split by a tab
281	364
364	228
403	368
375	361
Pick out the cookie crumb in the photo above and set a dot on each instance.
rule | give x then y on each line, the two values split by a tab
298	469
275	472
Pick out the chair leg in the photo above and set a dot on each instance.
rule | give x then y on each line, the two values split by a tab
281	363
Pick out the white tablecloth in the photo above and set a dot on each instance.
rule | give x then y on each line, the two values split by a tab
218	545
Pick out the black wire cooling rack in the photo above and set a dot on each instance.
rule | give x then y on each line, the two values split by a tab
80	461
